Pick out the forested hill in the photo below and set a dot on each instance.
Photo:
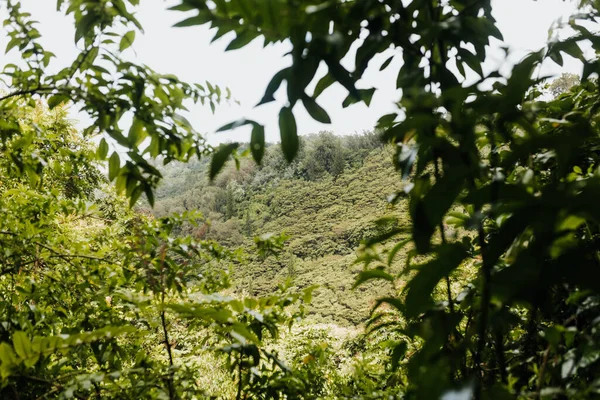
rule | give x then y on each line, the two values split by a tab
326	201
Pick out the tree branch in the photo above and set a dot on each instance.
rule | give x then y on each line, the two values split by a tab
27	92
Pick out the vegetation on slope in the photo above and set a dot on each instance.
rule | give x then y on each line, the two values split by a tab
326	215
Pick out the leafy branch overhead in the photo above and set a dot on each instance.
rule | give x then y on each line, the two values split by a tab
108	88
524	168
323	32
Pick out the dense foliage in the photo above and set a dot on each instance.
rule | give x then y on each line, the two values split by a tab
517	171
80	271
498	296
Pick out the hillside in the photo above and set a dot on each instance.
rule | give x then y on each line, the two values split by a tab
326	202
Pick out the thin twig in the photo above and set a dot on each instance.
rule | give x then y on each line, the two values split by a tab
67	257
542	371
170	385
26	92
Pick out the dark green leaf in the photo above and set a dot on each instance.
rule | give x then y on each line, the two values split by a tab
234	124
323	84
397	247
273	85
340	74
419	289
257	142
370	274
289	134
149	194
386	63
220	156
57	100
365	95
241	40
429	211
315	110
200	19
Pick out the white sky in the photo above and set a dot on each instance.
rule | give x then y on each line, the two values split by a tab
187	53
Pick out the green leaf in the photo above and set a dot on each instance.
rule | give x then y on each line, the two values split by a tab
394	302
589	68
56	100
102	151
386	63
395	250
241	40
471	60
289	134
200	19
85	26
137	133
569	223
242	334
365	95
341	75
235	124
420	288
457	219
114	166
404	160
13	42
367	275
149	194
8	360
257	143
508	232
220	156
323	84
427	212
307	293
127	40
273	85
182	7
386	120
21	344
134	194
315	110
383	237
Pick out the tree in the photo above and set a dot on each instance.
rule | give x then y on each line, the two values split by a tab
230	210
248	223
106	87
48	152
563	84
357	147
325	156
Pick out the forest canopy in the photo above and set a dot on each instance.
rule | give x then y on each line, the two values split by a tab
481	273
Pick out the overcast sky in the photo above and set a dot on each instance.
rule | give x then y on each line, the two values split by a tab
188	53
